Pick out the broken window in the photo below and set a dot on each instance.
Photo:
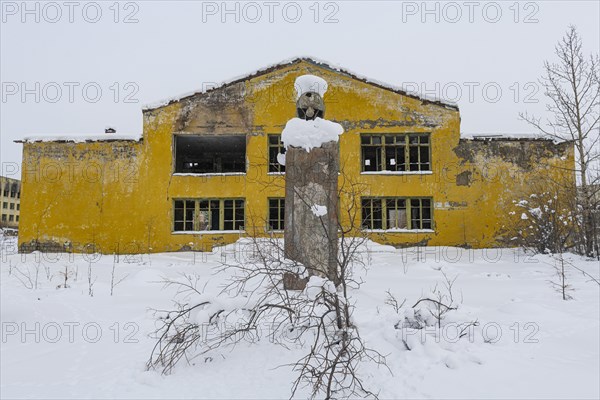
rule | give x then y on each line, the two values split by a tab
14	189
420	213
208	215
275	148
3	217
372	214
210	154
5	205
11	218
276	214
6	190
396	213
396	152
12	206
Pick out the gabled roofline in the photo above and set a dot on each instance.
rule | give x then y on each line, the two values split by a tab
316	62
511	137
103	137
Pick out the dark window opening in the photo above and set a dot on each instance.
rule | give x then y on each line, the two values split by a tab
210	154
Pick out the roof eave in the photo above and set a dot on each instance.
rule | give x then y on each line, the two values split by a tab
310	60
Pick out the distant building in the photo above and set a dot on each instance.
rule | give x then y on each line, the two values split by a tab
205	170
10	196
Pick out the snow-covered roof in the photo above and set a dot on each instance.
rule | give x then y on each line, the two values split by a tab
103	137
505	136
311	60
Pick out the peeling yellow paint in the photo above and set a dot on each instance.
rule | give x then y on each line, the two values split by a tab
119	195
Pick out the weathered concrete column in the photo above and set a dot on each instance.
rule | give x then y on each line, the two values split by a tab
311	184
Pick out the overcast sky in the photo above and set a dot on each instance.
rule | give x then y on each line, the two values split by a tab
57	56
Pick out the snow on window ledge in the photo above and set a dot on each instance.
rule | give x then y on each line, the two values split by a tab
399	230
209	174
276	173
206	232
396	173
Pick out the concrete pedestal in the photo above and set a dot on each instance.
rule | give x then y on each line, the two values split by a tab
311	178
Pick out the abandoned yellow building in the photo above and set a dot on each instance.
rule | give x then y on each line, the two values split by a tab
10	198
205	171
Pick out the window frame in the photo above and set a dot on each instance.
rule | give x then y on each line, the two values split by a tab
408	207
196	221
280	211
382	147
278	168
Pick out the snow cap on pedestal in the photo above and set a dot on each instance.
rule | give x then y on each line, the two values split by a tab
310	134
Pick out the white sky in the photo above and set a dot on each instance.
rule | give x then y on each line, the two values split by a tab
175	47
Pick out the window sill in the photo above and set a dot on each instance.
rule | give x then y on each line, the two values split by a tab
396	173
276	173
204	232
399	230
209	174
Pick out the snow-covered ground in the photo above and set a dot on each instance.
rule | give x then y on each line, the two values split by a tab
64	343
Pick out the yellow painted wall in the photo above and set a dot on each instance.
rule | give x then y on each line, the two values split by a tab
119	195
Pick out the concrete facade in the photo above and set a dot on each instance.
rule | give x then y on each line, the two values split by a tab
10	201
201	174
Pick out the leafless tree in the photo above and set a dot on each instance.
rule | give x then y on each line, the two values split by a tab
90	279
393	302
572	87
317	316
66	274
441	301
114	283
561	286
545	219
562	266
547	222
